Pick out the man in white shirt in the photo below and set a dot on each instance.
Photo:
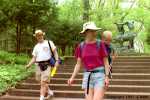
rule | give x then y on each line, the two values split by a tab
41	56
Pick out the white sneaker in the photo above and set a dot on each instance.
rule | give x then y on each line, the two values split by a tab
50	92
42	98
50	95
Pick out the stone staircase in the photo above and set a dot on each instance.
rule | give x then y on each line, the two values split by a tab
131	81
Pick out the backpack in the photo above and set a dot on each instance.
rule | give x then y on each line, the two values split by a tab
52	59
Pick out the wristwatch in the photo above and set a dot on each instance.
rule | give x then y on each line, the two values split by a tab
107	75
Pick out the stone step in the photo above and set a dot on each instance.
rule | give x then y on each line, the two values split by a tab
72	58
131	60
77	87
118	63
115	75
79	81
74	87
36	93
129	88
139	76
138	65
131	63
69	67
131	66
118	59
111	95
8	97
121	59
128	95
133	57
80	94
121	70
130	82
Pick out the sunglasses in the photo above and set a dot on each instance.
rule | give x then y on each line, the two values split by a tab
90	30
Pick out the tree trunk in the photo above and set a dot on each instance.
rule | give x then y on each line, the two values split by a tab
18	38
86	7
63	48
33	25
33	32
17	33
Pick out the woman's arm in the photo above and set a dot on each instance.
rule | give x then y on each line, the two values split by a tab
76	70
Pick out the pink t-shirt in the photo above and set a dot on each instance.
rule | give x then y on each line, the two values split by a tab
91	57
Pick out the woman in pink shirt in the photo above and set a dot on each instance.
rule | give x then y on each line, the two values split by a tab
92	55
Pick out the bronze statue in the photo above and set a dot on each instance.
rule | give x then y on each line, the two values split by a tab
125	35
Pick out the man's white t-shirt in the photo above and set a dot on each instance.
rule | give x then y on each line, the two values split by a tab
42	51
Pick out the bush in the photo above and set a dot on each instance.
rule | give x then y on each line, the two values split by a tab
12	69
11	74
12	58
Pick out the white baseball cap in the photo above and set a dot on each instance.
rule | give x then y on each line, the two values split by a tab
90	26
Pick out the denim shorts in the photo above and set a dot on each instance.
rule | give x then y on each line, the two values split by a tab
96	79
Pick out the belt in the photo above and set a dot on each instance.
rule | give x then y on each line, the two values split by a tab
43	61
89	77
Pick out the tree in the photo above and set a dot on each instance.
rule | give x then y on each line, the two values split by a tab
86	7
25	16
66	30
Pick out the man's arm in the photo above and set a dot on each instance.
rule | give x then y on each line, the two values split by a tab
31	62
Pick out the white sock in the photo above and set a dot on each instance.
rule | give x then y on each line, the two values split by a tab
42	97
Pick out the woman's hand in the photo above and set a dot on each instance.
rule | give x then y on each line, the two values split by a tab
106	82
70	81
75	72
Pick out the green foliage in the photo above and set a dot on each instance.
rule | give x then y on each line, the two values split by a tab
12	69
66	30
12	58
23	17
10	74
147	48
